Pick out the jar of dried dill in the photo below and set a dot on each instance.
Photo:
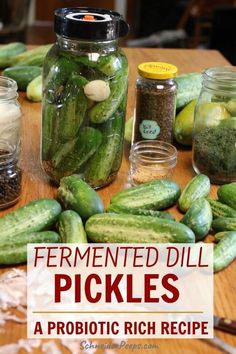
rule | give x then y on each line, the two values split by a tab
214	134
155	102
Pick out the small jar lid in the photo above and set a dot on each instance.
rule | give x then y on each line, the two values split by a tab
157	70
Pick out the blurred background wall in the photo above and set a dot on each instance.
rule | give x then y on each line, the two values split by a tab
154	23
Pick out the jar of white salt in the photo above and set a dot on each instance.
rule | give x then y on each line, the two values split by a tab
10	112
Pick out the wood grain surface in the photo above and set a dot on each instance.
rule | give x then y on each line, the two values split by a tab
36	185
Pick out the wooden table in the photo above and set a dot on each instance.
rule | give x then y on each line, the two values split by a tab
35	186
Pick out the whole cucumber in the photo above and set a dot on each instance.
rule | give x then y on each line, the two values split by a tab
49	118
119	209
35	55
109	64
73	108
197	187
100	165
33	217
222	234
119	153
124	228
77	195
219	209
55	81
71	228
199	218
102	111
13	250
155	195
189	87
74	154
225	251
227	194
9	51
22	75
224	224
34	89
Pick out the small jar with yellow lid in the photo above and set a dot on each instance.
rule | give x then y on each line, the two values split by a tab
155	102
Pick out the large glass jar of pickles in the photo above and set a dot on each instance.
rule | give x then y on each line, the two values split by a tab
214	138
85	78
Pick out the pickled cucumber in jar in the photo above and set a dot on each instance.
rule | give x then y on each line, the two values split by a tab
85	84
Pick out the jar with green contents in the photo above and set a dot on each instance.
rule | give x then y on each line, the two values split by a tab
214	134
85	79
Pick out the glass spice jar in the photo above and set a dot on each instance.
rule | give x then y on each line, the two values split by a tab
214	133
10	175
155	102
151	160
10	112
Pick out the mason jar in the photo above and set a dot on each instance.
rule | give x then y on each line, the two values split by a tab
214	133
85	80
10	112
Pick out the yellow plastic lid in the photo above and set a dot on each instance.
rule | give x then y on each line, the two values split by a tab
157	70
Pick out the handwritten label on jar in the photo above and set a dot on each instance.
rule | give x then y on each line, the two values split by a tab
149	129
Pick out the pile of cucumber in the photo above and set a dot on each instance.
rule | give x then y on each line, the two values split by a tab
25	67
84	105
135	215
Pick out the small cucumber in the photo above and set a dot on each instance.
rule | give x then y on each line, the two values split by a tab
100	165
71	228
22	75
227	194
33	56
77	195
109	64
33	217
118	209
225	251
199	218
55	81
222	234
34	89
224	224
102	111
155	195
197	187
13	250
73	109
189	87
124	228
49	117
74	154
219	209
9	51
119	152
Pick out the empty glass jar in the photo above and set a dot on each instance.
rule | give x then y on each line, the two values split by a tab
151	160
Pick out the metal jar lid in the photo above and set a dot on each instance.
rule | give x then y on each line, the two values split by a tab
89	23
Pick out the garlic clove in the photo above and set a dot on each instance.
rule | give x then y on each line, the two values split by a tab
97	90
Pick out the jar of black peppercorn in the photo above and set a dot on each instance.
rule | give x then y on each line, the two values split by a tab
155	102
10	175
